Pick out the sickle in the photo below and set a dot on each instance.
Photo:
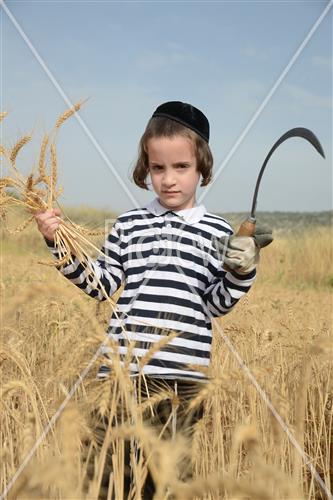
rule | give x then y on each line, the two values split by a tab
247	227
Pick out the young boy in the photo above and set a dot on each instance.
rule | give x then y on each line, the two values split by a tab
167	254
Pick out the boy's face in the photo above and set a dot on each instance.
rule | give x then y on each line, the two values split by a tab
173	171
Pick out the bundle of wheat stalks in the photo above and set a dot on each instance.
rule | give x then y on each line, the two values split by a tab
39	192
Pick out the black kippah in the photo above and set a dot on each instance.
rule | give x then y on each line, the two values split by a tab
187	115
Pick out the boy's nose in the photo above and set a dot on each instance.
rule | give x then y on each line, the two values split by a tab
168	179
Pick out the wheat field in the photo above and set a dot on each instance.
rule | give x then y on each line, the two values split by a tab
238	450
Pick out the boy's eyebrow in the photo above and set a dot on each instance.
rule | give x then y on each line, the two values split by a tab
174	164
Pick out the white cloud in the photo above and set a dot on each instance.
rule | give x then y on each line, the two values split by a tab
173	45
252	86
150	60
322	62
306	97
254	52
182	56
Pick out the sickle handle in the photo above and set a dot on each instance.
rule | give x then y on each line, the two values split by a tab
247	227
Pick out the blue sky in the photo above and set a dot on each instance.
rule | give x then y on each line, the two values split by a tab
128	57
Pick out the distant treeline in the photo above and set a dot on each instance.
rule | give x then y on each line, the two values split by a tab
285	221
279	221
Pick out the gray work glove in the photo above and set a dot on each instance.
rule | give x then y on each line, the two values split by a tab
241	253
263	235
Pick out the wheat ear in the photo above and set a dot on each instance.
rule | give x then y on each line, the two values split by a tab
53	175
42	155
68	113
3	114
18	146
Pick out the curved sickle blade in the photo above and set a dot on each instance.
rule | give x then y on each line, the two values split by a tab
306	134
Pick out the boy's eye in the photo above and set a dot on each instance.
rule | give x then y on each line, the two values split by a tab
160	167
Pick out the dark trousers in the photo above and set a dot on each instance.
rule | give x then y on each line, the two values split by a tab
170	417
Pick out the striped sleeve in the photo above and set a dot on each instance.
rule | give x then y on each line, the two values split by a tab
224	292
100	277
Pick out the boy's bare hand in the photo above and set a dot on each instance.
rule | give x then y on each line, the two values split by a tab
48	222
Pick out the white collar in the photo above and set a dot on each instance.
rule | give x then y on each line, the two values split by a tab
190	215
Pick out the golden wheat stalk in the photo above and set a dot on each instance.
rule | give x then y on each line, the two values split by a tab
157	346
3	114
85	231
20	227
18	146
42	157
30	183
68	113
53	176
203	394
7	182
154	400
54	172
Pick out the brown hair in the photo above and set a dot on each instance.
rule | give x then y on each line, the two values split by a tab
160	126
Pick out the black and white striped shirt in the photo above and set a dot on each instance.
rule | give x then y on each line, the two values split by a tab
174	281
